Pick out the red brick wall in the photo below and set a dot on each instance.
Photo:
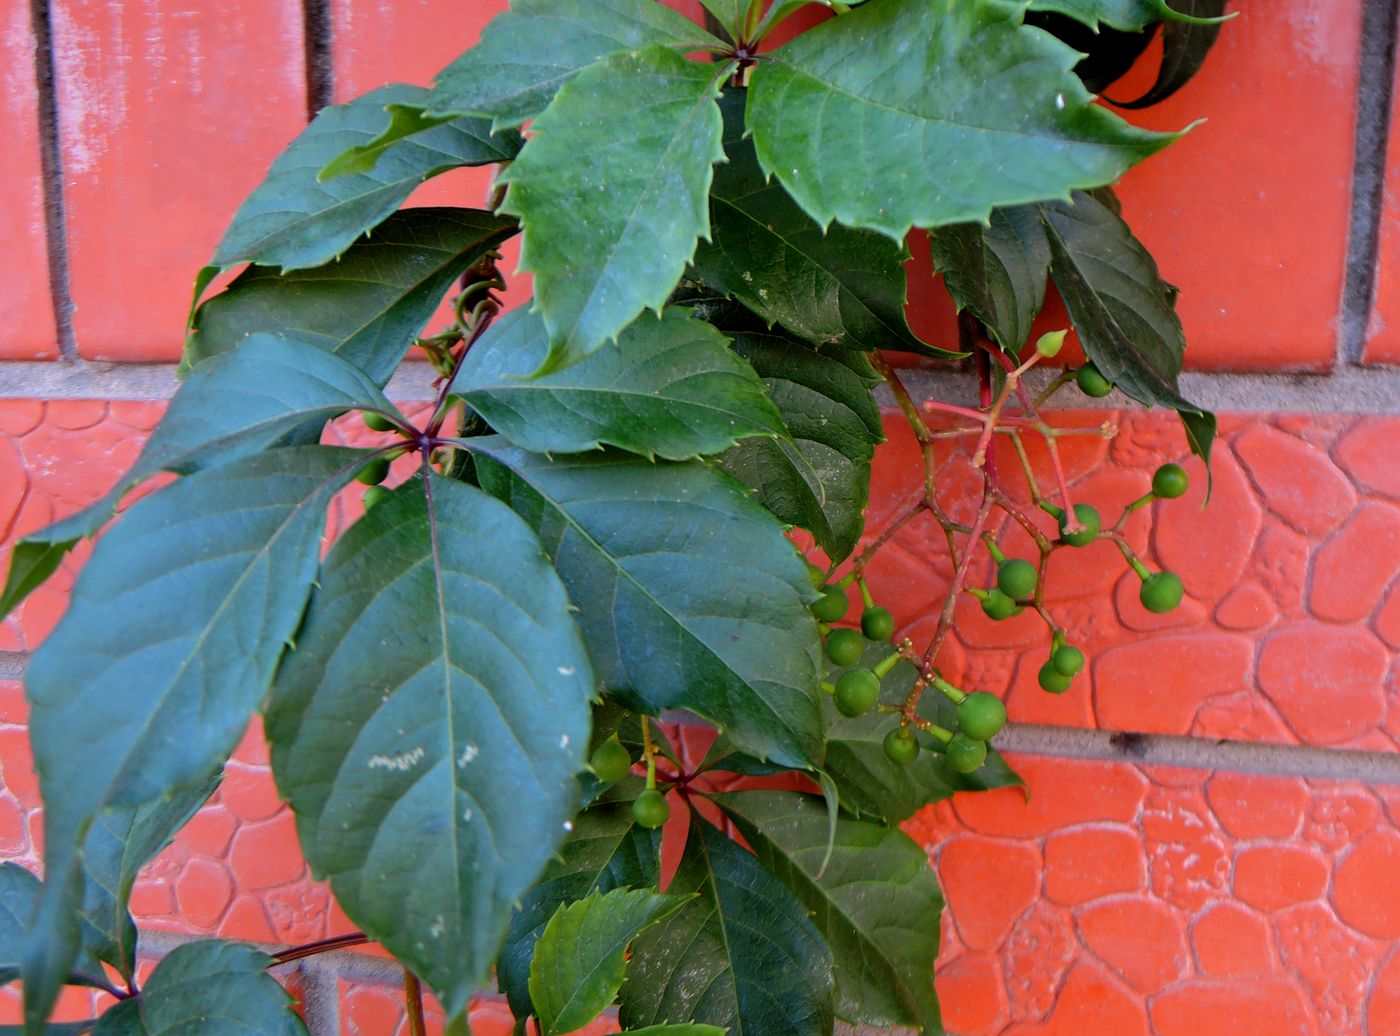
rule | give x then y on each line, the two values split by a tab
1229	868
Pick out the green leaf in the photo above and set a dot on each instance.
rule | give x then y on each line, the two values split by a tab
1120	306
366	307
688	593
1184	49
743	954
832	287
119	843
53	1028
528	52
668	387
876	902
36	557
820	478
731	14
579	960
996	271
606	850
1129	15
19	894
608	231
440	604
295	221
212	988
927	112
683	1029
170	640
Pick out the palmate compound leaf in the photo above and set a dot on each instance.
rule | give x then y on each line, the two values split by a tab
819	478
212	988
173	632
875	901
580	957
429	724
1129	15
606	850
1185	45
668	387
294	220
688	593
833	286
743	954
906	108
367	306
608	231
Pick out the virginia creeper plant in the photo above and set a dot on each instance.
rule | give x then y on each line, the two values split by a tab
592	526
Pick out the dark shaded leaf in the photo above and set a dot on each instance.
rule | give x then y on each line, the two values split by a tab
820	478
438	683
1184	49
668	387
688	593
1108	54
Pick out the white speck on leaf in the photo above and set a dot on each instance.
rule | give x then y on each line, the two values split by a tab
468	754
403	761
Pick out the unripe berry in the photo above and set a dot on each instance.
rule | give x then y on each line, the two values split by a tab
1161	592
378	422
1088	518
1052	680
901	746
966	754
877	623
375	472
650	809
1091	382
997	606
856	692
844	647
981	716
832	605
1169	481
1067	660
611	761
1016	578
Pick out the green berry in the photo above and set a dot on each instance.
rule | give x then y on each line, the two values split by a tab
1050	343
816	574
966	754
375	472
1161	592
844	647
1052	680
981	716
901	746
611	761
856	692
996	605
1091	382
374	496
1067	660
650	809
1016	578
1169	481
877	623
1088	518
378	423
832	605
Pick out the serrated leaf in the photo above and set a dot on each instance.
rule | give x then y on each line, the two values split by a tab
820	478
876	902
996	271
606	850
367	306
906	105
608	231
213	988
119	843
688	593
170	640
732	15
668	387
1184	49
296	221
832	287
1128	15
580	957
742	955
528	52
437	684
1120	306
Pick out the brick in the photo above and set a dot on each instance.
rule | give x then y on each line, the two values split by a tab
1350	572
970	995
203	892
1142	939
1370	454
1101	793
1325	681
1388	618
1157	685
250	793
1187	855
1249	807
1267	1007
988	885
1231	941
26	311
1271	877
1246	607
1364	889
1209	552
266	854
145	88
1335	964
209	831
1260	288
246	919
1090	863
1296	481
1383	1010
1279	564
1338	819
1035	957
1091	1002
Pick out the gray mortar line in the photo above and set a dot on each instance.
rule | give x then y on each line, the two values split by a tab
1265	759
1349	390
12	664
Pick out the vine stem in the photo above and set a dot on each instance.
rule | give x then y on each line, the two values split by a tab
311	949
413	1004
